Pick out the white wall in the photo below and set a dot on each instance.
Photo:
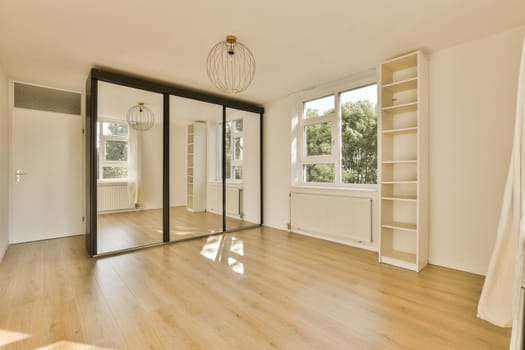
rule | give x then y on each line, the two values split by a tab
178	145
472	107
152	167
251	168
277	132
4	164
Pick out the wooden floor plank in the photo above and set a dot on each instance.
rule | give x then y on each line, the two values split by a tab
255	289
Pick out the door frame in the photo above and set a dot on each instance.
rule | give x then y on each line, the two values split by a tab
11	107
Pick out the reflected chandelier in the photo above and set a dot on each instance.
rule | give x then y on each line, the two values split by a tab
230	66
140	117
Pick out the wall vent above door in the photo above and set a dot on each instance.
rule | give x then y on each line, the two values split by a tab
46	99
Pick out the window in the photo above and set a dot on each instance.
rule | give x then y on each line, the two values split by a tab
234	149
339	138
112	138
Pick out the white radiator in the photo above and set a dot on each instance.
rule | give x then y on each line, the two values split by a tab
233	200
339	218
113	198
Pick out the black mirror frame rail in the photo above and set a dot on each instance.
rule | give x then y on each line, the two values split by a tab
166	89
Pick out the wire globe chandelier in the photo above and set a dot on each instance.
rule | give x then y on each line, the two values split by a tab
140	117
230	66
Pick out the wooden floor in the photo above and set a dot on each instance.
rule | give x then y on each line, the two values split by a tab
119	231
256	289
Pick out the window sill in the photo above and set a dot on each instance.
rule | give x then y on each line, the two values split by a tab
228	183
111	183
337	190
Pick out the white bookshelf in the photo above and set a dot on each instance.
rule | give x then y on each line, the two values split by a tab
196	167
403	165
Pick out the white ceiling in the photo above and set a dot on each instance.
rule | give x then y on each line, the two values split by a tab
297	44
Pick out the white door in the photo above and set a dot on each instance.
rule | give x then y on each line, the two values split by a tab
46	195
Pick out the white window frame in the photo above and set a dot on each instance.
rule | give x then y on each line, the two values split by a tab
319	159
234	162
102	150
299	123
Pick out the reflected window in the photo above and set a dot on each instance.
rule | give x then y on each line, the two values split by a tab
225	250
112	150
319	107
234	150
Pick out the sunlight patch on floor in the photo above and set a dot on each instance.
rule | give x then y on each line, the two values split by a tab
8	337
66	345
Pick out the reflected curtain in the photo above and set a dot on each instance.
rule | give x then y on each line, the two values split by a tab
135	167
501	301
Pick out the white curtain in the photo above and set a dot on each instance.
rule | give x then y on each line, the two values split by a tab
501	298
135	167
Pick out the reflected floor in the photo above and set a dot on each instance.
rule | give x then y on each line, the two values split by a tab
118	231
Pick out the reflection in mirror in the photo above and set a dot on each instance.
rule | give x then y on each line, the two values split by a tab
195	187
129	176
242	169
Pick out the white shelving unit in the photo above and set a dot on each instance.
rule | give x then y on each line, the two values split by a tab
196	167
403	166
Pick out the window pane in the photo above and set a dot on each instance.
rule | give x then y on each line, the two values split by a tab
320	107
238	148
359	135
116	150
114	172
228	147
238	124
237	173
318	139
319	173
114	129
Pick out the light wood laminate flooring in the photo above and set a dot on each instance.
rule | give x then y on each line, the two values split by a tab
117	231
255	289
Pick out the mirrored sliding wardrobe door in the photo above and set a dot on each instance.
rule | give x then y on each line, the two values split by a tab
129	150
195	159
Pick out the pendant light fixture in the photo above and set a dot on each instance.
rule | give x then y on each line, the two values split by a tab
140	117
230	66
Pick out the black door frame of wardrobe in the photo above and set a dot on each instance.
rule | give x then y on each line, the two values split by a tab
166	90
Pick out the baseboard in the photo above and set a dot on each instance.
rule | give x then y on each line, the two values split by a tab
48	238
335	240
326	238
458	267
